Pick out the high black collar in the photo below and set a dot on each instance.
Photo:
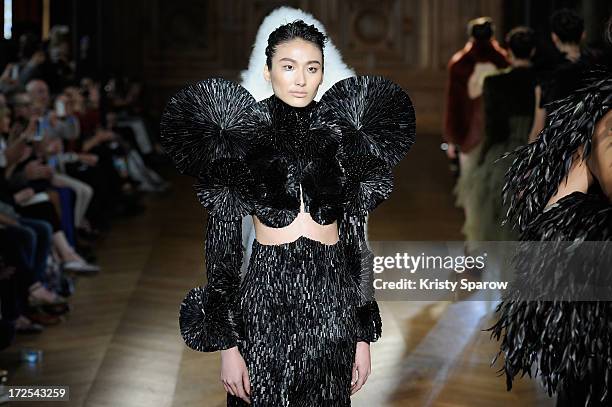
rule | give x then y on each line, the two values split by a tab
284	109
284	127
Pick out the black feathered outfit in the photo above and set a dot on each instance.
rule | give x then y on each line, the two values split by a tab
302	306
569	342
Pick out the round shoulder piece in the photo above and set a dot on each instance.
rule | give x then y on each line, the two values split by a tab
204	122
206	321
376	125
374	116
368	182
226	189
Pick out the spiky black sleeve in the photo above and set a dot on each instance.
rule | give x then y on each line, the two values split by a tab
209	317
368	182
359	260
376	122
203	130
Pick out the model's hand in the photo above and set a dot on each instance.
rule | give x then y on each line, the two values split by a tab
362	366
234	374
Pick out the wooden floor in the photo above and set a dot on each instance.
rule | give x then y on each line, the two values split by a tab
120	346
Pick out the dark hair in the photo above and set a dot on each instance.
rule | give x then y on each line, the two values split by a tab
290	31
481	28
608	33
521	41
568	26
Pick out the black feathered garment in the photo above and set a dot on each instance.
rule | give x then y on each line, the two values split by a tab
302	306
569	343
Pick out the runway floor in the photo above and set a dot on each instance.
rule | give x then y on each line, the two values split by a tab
120	346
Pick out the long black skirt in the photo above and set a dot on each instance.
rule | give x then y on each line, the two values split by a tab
298	310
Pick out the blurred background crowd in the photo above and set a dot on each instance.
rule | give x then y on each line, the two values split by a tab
75	152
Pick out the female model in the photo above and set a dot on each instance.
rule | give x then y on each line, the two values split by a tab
295	331
559	189
254	82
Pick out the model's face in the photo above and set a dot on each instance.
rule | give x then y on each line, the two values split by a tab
297	72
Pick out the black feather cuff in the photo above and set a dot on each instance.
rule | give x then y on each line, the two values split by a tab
207	320
369	322
210	317
359	262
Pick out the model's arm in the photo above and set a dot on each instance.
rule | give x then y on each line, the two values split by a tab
359	261
374	139
223	269
223	253
190	131
209	318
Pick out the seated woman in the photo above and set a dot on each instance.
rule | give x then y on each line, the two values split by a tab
26	178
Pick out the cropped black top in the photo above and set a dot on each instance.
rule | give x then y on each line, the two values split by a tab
263	158
285	165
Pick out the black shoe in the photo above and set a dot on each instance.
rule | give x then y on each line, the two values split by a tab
55	309
65	286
